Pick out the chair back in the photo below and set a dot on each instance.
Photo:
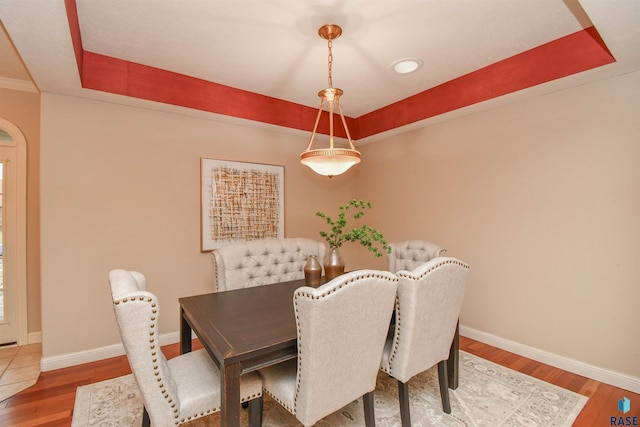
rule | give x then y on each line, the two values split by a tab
410	254
263	262
342	327
427	310
137	314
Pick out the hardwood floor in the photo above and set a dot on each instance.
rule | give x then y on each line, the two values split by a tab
603	398
50	401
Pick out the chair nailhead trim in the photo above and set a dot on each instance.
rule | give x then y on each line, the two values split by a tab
396	338
435	267
156	370
333	290
195	416
163	390
281	402
216	409
317	297
398	311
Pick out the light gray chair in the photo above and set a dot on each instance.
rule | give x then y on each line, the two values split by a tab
427	310
342	327
410	254
178	390
263	261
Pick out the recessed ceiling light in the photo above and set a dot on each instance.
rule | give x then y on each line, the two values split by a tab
407	65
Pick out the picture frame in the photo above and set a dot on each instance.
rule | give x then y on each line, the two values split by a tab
240	201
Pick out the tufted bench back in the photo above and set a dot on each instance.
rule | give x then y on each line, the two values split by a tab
263	262
410	254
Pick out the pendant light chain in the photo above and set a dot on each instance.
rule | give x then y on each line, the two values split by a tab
330	62
330	161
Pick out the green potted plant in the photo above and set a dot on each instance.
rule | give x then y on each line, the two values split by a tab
340	233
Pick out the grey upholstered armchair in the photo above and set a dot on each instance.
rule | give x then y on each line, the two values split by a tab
427	309
263	262
178	390
342	327
410	254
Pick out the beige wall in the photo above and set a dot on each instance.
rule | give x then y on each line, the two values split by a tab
23	110
542	198
121	189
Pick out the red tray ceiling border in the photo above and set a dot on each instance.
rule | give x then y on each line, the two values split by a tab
563	57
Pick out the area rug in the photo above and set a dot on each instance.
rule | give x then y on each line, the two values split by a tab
489	395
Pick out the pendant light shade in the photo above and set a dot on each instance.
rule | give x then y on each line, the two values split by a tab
330	161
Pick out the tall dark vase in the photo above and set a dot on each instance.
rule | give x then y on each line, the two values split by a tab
312	271
334	264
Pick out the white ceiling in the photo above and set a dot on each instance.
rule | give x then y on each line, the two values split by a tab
271	47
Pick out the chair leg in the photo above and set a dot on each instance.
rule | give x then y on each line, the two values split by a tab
443	379
403	398
453	364
255	412
146	422
369	410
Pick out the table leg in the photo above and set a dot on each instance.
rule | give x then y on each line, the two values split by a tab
185	334
452	362
230	391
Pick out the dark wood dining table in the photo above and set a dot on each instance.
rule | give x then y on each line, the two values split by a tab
246	329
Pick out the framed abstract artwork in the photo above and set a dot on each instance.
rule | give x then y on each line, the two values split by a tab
240	201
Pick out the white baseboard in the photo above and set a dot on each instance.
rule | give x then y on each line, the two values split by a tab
616	379
95	354
34	337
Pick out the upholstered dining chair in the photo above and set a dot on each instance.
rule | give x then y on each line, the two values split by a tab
427	309
263	261
409	254
341	327
178	390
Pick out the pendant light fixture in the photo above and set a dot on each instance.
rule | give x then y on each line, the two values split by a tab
330	161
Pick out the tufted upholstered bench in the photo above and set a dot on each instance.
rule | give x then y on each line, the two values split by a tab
263	262
410	254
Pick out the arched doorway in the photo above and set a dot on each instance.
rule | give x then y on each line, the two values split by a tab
13	274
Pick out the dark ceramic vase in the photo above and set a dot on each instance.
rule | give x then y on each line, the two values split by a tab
312	271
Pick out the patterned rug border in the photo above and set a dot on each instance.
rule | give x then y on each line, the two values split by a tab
571	411
489	395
